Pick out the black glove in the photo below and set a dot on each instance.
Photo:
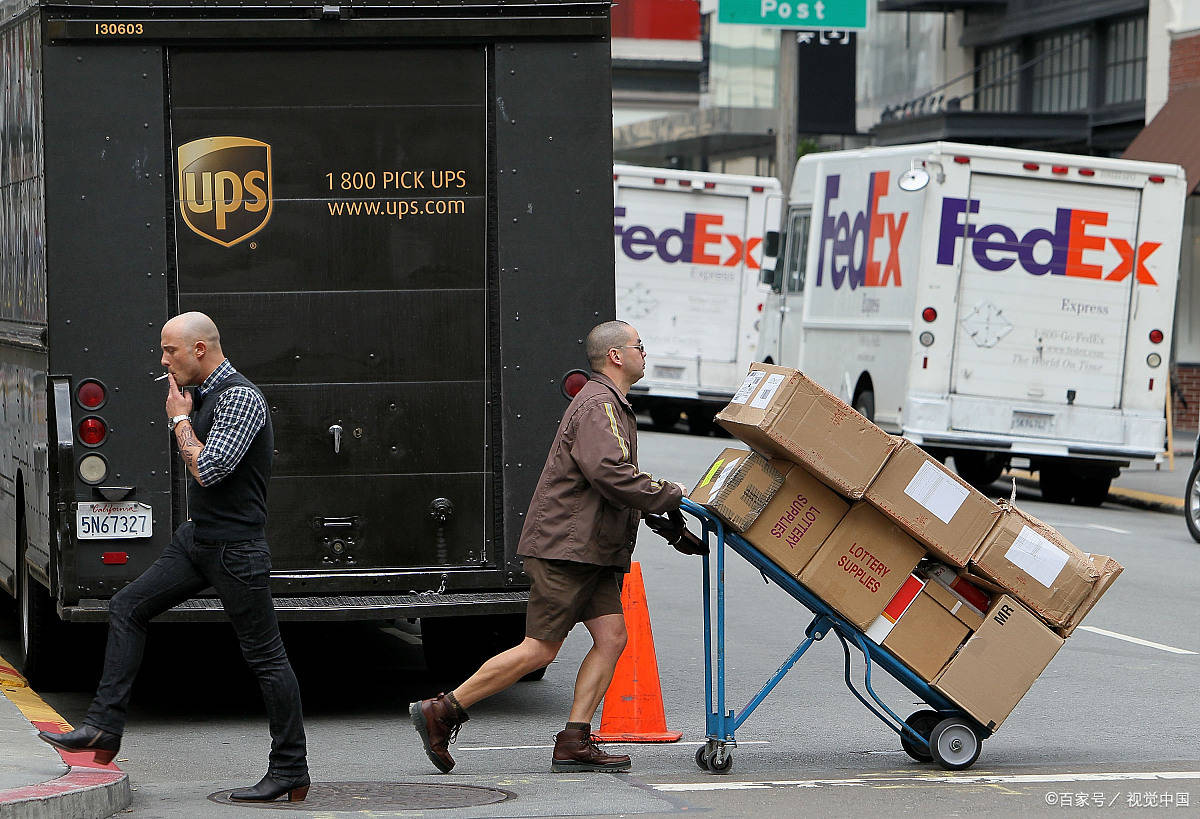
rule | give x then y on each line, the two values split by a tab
672	527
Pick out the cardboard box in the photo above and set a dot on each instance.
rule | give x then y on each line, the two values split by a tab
780	412
1031	561
737	487
862	565
999	662
923	625
932	504
797	520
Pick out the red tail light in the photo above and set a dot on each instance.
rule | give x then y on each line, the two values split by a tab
708	186
660	180
685	183
929	314
963	160
1086	172
573	382
1058	168
1030	166
92	431
1156	336
757	188
91	394
1158	179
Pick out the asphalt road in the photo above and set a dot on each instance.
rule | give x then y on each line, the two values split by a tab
1110	724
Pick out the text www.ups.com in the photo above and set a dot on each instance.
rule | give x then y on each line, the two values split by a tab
399	208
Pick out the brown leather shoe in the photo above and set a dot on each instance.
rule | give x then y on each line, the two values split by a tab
574	750
437	721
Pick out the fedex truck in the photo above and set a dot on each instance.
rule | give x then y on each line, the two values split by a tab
995	305
690	249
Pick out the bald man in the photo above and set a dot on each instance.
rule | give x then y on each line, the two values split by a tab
225	437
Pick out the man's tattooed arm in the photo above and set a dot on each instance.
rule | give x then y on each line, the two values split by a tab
190	447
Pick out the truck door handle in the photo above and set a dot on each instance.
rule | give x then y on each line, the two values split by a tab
336	432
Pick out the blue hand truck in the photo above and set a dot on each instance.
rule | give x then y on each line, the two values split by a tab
943	733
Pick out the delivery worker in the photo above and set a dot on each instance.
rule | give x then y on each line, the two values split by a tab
576	543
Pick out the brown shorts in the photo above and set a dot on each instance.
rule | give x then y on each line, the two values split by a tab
564	593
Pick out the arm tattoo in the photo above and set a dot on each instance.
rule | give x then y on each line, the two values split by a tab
187	437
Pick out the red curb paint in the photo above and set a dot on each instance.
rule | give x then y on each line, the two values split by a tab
75	759
76	779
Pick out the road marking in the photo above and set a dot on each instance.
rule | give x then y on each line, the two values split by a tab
1118	636
951	779
606	745
1096	526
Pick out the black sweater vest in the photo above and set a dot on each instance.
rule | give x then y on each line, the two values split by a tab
235	507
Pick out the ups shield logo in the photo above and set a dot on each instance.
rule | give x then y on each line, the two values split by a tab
225	187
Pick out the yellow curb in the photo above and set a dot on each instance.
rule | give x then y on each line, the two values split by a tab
34	708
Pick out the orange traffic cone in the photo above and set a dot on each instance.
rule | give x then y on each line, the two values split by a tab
633	704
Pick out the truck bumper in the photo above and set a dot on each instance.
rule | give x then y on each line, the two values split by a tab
327	608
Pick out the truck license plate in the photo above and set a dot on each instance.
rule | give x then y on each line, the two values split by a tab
1036	423
103	521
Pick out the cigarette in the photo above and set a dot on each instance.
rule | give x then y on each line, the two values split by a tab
161	377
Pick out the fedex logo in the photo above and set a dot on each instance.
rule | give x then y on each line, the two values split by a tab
841	236
996	247
696	242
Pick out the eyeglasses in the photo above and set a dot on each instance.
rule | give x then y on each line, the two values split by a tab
641	348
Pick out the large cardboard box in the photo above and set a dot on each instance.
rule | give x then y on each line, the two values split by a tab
932	504
862	565
737	486
797	520
1034	563
923	625
999	662
780	412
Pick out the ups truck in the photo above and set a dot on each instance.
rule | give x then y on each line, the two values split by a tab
397	214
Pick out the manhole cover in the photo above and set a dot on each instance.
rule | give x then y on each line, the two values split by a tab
363	796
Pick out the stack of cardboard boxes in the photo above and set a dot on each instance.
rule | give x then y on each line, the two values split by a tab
975	597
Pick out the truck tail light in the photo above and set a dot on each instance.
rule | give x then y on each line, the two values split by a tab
114	558
757	188
929	314
1058	169
685	183
92	431
573	382
963	160
1158	180
1156	336
1030	166
91	394
93	468
1086	172
660	180
708	186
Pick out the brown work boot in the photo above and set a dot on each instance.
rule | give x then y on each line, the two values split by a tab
574	750
437	721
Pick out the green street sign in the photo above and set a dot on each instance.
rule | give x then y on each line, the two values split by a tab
842	14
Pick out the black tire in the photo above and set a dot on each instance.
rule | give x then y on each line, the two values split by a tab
455	647
39	630
864	404
1191	502
702	757
1056	483
664	417
1092	490
700	420
923	723
954	744
980	469
720	761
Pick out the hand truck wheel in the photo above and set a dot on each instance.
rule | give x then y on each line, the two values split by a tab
922	722
702	757
954	744
720	761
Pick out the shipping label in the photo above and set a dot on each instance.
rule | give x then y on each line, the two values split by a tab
1037	557
748	387
768	391
936	491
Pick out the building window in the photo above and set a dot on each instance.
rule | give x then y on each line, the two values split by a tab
1125	61
1060	75
997	77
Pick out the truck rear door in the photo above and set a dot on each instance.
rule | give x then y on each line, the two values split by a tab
1044	292
332	220
679	275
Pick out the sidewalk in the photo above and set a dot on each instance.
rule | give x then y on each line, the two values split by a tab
36	781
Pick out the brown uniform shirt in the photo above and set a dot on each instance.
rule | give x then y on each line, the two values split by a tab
591	494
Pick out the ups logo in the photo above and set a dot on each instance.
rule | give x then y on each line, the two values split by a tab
225	187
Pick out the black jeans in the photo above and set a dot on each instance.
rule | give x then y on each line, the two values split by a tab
239	573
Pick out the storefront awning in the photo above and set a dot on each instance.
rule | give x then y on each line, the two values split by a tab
1172	135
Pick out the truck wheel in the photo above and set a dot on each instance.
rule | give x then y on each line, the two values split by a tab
1191	501
980	469
39	628
1091	490
864	404
664	417
700	420
1056	484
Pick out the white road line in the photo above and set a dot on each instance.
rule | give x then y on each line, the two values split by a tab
1098	526
606	745
1118	636
951	779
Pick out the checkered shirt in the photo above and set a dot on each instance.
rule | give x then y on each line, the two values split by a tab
240	413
